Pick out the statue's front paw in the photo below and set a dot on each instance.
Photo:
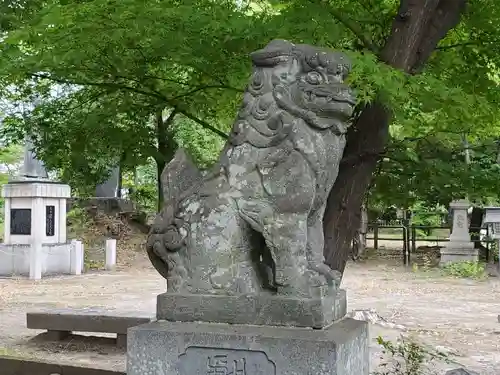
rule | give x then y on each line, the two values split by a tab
332	277
282	278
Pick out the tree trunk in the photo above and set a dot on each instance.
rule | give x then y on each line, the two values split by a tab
365	142
416	31
160	166
166	149
119	185
498	151
120	179
359	242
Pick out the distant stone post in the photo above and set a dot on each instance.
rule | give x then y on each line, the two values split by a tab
76	258
35	263
110	254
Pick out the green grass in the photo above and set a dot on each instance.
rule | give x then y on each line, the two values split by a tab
8	352
466	270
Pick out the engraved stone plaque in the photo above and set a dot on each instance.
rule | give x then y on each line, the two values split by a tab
20	221
50	220
215	361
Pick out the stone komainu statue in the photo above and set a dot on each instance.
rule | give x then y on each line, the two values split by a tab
254	223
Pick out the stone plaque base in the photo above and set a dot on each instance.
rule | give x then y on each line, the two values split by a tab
55	259
460	253
175	348
260	309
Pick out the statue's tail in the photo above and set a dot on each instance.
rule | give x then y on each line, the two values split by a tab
179	176
167	235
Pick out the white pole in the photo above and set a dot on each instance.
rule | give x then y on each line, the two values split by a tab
35	255
110	254
76	260
82	255
498	250
35	260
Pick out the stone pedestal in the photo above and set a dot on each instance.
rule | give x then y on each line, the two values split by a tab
460	248
254	334
258	309
174	348
35	228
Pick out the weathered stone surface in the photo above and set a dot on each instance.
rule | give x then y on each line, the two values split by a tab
12	365
254	223
121	341
84	320
57	335
178	176
461	371
460	248
32	167
259	309
456	254
109	188
198	349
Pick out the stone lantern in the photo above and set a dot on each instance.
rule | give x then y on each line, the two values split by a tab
460	248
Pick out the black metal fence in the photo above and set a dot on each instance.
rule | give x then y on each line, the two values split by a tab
409	235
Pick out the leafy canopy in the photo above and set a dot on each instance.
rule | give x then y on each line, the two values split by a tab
116	64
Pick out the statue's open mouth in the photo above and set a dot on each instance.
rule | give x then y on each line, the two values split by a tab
328	100
321	106
323	96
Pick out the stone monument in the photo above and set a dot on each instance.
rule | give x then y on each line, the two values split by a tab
108	198
460	248
241	247
35	223
110	187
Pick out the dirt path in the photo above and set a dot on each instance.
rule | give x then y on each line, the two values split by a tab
453	314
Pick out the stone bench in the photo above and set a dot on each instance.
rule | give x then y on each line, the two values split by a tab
60	323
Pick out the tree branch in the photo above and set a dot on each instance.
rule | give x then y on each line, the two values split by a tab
181	83
203	123
167	80
138	91
100	84
368	8
450	46
166	144
445	17
208	87
79	105
170	117
355	28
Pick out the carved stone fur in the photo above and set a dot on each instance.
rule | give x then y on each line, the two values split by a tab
254	223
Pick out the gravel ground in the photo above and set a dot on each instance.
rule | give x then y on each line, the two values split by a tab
458	316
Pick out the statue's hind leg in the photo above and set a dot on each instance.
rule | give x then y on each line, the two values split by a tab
222	246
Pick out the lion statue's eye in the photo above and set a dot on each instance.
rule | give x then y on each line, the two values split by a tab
314	78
